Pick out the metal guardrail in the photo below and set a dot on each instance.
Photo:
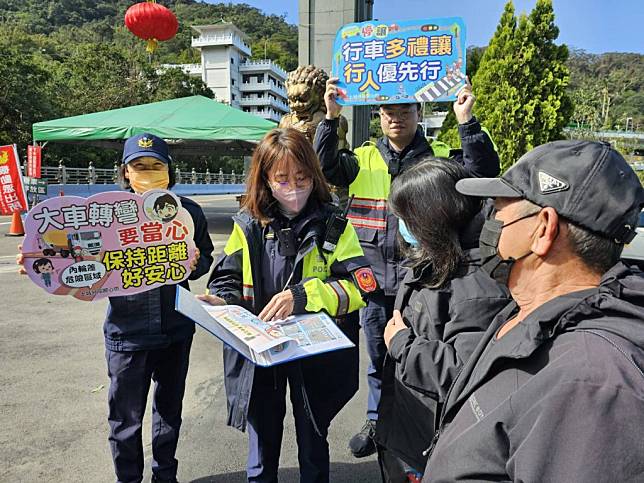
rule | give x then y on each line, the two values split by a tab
61	174
637	135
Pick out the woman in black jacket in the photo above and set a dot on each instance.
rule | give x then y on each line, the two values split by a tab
444	306
275	264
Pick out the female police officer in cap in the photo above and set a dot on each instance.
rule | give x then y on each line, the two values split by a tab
275	265
146	339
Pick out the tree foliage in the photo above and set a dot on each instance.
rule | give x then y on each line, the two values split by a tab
375	129
24	97
607	90
547	105
521	83
69	57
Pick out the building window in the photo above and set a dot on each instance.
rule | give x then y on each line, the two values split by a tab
233	97
232	81
232	60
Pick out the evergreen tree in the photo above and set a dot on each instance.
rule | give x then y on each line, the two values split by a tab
497	88
521	84
546	108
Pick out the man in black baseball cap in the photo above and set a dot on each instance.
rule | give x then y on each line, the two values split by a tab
555	390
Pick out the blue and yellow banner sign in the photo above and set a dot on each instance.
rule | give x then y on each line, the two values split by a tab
408	61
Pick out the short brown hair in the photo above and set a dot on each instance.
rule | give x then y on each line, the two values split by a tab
272	150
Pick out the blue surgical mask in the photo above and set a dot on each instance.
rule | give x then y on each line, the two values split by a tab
406	234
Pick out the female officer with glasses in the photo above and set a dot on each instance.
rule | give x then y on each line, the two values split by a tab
277	263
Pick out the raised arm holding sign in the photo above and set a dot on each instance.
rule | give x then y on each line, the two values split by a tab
369	170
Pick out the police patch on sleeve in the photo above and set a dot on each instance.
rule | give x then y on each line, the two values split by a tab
365	280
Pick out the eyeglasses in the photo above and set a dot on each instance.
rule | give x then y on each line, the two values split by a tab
300	181
402	114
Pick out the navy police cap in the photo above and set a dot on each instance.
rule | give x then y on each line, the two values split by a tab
146	144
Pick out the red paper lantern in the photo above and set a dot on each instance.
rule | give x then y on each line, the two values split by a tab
152	22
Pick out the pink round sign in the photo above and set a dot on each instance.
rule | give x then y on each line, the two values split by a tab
110	244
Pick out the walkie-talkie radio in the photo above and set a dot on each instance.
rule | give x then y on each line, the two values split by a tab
335	228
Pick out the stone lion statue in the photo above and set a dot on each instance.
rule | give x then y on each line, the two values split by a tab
305	87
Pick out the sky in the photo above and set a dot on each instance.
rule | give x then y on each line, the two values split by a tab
596	26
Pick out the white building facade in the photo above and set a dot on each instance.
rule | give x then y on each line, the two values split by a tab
256	87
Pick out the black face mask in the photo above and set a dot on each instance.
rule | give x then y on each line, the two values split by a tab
492	264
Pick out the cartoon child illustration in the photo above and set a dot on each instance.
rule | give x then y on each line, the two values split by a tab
45	268
165	207
77	253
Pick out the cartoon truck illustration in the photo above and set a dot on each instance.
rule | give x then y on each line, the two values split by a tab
75	243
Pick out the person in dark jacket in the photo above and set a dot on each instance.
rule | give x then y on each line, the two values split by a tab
555	389
146	339
275	265
444	305
368	172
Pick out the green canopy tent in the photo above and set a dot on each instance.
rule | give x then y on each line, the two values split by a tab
192	126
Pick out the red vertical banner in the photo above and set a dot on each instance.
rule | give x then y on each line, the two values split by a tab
34	156
12	193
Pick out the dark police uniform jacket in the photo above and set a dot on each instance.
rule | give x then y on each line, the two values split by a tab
559	398
376	227
148	320
252	271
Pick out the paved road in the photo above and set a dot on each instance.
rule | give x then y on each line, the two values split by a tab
53	386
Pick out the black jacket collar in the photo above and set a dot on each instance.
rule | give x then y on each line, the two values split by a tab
398	162
616	307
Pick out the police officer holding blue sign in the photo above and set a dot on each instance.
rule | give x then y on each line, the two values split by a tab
368	172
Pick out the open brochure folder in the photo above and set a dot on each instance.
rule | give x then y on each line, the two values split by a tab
264	343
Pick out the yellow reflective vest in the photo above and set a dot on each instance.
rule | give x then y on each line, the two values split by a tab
324	289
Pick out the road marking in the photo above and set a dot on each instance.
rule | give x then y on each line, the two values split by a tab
8	266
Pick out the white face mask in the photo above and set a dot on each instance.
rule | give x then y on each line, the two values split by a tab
291	200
